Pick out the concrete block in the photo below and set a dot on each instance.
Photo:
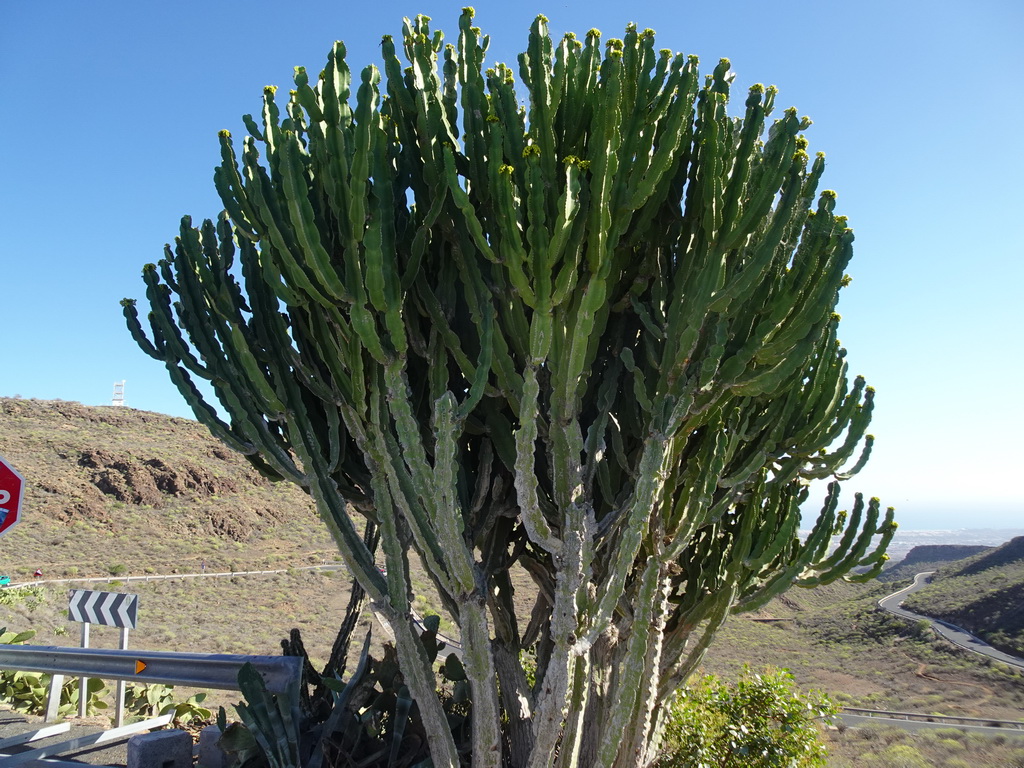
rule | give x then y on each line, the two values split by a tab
210	753
160	749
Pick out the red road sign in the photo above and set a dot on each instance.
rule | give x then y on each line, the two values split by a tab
12	486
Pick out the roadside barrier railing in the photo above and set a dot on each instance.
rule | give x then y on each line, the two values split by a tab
281	674
197	670
928	718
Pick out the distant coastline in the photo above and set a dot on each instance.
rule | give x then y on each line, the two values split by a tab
905	540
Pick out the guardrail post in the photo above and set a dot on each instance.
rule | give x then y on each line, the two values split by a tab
53	698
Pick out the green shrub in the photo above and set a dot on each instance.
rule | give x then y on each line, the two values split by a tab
153	700
948	733
897	756
27	692
759	722
31	596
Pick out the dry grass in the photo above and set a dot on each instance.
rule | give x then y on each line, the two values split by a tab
888	747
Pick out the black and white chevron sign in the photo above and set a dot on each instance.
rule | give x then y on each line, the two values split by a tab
111	609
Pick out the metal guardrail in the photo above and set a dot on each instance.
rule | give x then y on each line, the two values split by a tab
198	670
949	719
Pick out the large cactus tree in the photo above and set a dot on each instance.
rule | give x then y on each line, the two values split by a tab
593	337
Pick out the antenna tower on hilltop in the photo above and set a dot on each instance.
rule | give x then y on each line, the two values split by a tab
118	399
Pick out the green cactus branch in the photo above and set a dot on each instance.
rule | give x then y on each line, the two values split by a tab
593	337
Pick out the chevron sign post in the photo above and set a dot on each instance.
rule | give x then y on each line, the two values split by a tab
111	609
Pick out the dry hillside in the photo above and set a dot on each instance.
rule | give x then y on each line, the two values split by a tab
116	491
115	488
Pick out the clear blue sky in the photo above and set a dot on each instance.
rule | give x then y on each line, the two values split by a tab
111	110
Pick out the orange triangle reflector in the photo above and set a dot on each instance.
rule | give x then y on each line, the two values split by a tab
139	666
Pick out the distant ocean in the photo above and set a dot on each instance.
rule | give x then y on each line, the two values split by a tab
906	540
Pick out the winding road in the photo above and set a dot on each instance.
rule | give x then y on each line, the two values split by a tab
165	576
954	634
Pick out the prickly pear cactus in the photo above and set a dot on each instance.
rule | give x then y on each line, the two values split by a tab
593	337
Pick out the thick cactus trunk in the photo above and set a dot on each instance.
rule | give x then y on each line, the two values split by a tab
594	337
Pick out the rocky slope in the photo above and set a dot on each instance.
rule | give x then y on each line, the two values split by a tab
109	487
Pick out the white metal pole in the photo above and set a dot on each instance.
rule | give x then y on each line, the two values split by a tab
83	682
119	716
